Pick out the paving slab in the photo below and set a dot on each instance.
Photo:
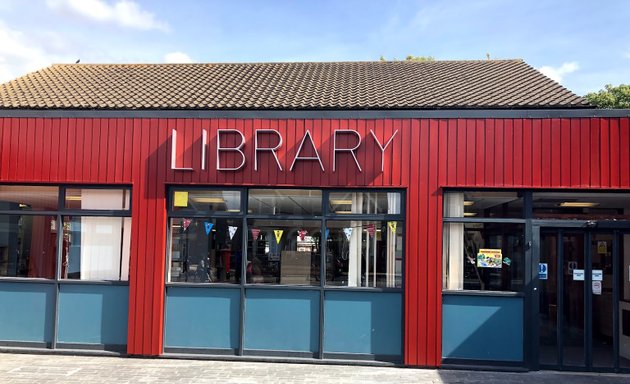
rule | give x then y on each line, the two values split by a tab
18	368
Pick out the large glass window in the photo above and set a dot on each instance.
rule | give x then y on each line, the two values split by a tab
285	233
283	251
488	255
91	224
205	250
364	253
581	206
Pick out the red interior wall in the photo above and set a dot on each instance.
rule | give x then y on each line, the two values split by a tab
426	155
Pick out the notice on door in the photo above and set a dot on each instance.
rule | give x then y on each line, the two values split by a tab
597	287
542	271
489	258
578	275
598	275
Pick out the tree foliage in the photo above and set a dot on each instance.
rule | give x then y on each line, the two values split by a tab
411	58
610	97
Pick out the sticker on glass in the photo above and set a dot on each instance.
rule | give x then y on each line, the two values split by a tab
180	199
489	258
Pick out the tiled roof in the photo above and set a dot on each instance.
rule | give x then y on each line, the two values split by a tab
285	86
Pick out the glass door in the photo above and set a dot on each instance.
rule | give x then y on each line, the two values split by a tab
578	297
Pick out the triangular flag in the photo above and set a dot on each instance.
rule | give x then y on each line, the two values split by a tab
327	233
302	233
208	226
392	226
278	233
186	223
348	232
371	229
255	233
232	229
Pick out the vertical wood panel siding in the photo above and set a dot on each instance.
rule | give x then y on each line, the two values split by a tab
425	156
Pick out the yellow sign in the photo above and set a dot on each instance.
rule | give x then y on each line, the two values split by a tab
489	258
392	226
180	199
278	233
602	247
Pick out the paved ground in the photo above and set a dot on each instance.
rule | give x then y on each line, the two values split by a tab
49	368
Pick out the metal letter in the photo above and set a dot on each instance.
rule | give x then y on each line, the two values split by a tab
272	150
204	146
351	150
383	147
297	155
231	149
174	153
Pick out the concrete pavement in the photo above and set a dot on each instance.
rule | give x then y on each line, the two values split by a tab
53	368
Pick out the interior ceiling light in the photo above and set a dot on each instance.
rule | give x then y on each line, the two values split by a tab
343	212
470	214
209	200
468	203
341	202
578	204
73	197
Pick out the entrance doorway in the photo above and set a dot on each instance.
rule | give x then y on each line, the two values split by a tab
583	299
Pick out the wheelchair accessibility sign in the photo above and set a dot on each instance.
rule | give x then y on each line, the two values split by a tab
542	271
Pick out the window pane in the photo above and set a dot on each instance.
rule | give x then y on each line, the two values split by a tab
379	203
364	253
96	248
28	198
283	252
95	198
581	206
483	256
483	204
206	250
207	200
285	202
28	246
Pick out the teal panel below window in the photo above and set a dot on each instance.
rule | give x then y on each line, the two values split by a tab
93	314
482	327
282	320
363	322
27	312
202	317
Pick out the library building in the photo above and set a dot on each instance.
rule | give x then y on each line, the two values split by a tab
431	214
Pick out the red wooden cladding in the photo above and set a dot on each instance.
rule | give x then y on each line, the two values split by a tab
425	156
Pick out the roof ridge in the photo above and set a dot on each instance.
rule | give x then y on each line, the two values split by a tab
517	60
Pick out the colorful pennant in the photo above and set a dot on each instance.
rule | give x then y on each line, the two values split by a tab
392	226
348	232
208	226
278	234
302	233
232	229
186	223
255	233
371	229
327	233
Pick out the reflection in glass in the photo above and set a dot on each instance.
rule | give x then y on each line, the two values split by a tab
548	303
28	198
573	309
96	248
378	203
364	253
583	206
283	252
28	246
285	202
97	198
206	200
205	250
501	268
483	204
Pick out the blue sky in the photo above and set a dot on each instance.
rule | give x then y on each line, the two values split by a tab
582	44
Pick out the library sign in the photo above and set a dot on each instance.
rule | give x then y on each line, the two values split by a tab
236	149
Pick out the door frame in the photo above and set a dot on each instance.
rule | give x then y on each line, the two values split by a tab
588	228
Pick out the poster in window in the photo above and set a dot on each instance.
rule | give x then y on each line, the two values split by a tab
489	258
